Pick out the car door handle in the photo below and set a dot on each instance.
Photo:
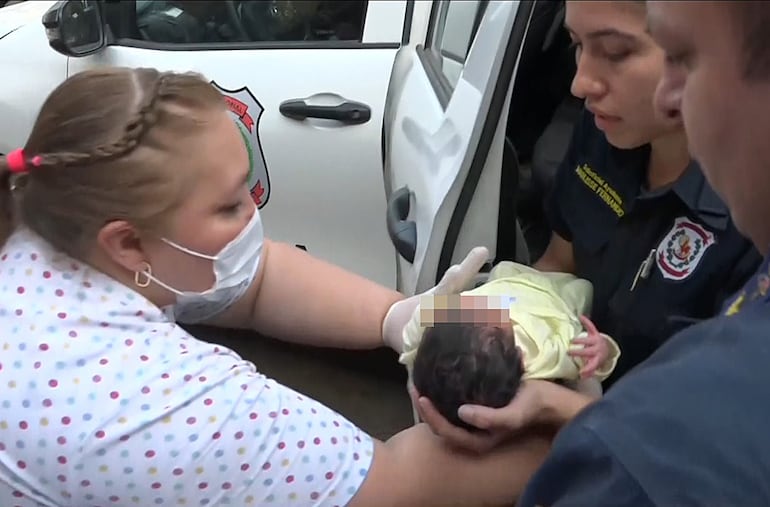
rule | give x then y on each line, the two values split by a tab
402	232
351	113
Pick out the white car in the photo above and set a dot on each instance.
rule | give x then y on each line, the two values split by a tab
387	136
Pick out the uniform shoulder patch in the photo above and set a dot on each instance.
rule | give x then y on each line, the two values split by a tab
682	249
246	110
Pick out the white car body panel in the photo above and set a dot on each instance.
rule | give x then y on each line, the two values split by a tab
328	189
431	148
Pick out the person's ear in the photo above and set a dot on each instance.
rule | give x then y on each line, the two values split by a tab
121	242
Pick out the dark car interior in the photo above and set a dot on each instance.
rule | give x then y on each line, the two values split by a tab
229	21
540	122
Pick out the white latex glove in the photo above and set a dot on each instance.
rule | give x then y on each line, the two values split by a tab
456	279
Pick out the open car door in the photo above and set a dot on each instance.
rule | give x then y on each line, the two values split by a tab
445	135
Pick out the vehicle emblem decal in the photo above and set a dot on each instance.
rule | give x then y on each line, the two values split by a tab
682	249
247	111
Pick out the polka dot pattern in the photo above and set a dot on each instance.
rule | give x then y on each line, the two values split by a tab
106	402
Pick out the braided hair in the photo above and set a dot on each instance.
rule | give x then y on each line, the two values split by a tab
133	132
103	146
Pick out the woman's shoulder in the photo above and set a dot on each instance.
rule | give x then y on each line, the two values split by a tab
27	249
25	242
44	281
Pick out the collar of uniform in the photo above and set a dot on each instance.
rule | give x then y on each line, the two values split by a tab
626	171
695	192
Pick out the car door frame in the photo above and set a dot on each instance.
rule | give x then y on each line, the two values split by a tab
495	121
497	108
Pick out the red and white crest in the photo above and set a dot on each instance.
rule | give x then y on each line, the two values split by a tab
682	249
247	111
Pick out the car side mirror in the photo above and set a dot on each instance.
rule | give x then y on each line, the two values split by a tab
75	27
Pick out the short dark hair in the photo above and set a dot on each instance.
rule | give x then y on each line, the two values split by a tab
457	364
752	19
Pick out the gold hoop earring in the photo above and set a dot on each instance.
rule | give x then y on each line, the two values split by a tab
147	274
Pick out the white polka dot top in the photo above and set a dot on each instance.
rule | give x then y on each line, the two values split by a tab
105	402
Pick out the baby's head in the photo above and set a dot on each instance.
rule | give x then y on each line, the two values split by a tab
459	363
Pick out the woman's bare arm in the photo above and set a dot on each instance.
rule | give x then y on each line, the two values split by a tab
416	468
298	298
558	256
560	405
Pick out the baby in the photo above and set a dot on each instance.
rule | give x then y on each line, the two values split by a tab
477	347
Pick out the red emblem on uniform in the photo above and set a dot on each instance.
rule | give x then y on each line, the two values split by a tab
682	249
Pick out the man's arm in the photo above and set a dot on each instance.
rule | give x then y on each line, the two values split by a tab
582	471
416	468
560	405
740	273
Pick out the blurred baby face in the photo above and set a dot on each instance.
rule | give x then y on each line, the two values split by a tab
465	309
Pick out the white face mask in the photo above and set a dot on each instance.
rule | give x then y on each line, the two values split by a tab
234	269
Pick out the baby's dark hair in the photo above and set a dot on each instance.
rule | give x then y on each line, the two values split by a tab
458	363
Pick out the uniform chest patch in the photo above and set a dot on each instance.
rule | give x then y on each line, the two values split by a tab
682	249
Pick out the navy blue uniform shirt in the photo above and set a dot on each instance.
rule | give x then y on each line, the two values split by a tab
689	427
659	260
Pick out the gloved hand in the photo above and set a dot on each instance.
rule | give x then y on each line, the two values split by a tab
456	279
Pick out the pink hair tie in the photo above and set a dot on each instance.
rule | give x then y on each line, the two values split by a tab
16	161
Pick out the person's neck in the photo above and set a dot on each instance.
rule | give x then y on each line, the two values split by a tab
669	158
153	292
761	240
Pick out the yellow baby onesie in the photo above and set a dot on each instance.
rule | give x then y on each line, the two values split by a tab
544	311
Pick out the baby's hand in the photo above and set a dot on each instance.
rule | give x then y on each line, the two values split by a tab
595	349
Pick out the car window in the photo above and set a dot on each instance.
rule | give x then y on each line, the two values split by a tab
453	28
217	21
